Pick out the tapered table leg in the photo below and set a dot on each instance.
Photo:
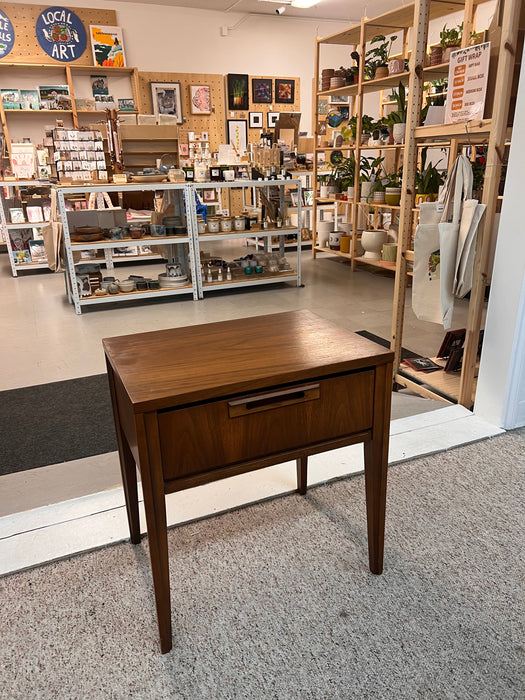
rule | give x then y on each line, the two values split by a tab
302	474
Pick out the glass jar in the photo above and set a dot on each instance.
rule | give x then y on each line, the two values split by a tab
226	224
214	225
239	223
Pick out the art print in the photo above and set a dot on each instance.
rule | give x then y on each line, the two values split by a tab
166	99
107	46
284	91
238	96
200	99
262	90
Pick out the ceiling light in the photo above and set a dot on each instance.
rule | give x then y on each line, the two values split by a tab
304	4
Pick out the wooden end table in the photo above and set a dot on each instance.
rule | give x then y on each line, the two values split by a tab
201	403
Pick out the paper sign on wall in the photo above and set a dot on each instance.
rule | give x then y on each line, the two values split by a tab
467	83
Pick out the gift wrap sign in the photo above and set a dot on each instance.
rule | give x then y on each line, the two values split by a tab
467	83
61	34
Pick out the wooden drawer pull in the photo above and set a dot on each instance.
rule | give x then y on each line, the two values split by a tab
274	399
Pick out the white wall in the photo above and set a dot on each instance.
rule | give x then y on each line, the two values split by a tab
186	40
500	397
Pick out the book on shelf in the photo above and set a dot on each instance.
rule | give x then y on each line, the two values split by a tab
29	99
37	251
10	98
17	216
34	214
21	256
421	364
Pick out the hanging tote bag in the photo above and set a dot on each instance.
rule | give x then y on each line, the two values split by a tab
52	235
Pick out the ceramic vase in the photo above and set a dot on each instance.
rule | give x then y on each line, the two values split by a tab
399	132
372	242
393	196
366	188
381	72
396	65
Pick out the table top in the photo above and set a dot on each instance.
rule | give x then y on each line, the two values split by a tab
169	368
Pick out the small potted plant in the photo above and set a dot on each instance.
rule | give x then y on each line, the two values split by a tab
376	58
392	183
397	119
349	131
450	40
369	174
367	127
428	180
352	74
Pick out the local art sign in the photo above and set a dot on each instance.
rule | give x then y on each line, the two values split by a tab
467	83
61	34
7	35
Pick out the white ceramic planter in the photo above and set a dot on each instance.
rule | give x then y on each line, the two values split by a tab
379	197
399	132
366	188
372	242
324	191
350	194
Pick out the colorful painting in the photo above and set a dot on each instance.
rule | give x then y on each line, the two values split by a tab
29	99
200	99
61	34
262	91
284	91
238	97
166	99
10	98
7	35
107	46
99	85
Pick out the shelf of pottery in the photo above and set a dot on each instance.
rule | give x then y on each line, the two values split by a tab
261	216
24	212
179	235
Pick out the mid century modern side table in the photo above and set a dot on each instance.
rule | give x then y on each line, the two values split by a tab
201	403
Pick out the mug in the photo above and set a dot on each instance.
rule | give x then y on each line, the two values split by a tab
229	175
173	270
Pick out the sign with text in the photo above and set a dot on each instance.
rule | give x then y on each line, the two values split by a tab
7	35
61	34
467	83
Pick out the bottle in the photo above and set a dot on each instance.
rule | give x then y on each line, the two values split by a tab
228	274
219	275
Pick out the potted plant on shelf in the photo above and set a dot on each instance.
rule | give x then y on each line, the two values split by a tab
450	40
428	180
369	175
392	183
344	176
367	127
349	131
397	119
376	58
352	74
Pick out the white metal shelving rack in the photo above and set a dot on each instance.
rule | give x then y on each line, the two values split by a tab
7	227
266	234
70	272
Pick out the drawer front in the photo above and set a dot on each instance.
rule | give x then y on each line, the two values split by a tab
221	433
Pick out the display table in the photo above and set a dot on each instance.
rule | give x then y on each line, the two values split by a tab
201	403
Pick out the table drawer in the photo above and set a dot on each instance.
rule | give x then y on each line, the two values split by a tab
220	433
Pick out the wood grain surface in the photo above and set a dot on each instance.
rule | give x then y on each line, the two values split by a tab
169	368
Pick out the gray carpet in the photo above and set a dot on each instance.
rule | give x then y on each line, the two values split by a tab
56	422
276	600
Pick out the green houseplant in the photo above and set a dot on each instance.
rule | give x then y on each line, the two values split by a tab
397	119
450	40
376	58
428	179
369	175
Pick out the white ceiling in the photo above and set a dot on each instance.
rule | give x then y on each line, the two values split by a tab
343	10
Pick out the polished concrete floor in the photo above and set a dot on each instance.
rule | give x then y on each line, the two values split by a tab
43	340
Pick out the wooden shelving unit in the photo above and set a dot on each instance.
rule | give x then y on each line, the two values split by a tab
491	131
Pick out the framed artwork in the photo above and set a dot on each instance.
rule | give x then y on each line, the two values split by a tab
209	195
322	106
256	120
284	91
294	198
107	46
166	99
308	197
184	150
272	118
238	96
238	135
339	99
200	99
262	91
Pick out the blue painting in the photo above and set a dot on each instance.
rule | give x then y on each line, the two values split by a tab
7	35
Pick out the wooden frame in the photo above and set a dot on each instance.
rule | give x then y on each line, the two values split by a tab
166	99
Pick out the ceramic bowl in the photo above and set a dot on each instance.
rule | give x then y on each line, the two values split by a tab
126	286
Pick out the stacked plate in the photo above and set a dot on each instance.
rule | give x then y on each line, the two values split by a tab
326	75
167	282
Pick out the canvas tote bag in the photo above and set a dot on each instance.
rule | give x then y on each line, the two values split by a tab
52	235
